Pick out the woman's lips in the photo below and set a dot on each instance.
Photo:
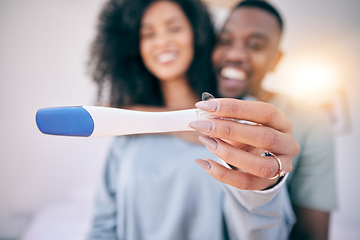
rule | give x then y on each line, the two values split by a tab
233	73
166	57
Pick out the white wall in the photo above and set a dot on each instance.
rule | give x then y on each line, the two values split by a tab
43	50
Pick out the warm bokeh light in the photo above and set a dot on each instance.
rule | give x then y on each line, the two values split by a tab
316	80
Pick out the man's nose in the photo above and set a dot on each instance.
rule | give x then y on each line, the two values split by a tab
237	53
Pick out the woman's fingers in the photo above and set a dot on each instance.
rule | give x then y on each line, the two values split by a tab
241	180
258	112
263	167
257	136
274	134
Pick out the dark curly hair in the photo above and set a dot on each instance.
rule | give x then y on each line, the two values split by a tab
115	59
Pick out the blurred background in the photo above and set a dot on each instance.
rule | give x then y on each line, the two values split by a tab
47	182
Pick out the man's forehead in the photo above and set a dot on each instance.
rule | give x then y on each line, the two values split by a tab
251	19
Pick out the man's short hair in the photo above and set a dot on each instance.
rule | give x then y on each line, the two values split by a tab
264	6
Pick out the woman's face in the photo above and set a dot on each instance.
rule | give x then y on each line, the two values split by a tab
166	41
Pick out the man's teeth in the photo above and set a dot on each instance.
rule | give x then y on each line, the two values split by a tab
233	73
166	57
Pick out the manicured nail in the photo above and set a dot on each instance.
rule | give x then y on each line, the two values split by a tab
206	96
204	164
209	142
202	126
209	106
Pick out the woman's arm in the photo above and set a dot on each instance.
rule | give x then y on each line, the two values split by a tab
104	223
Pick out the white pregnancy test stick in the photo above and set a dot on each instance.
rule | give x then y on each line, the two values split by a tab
95	121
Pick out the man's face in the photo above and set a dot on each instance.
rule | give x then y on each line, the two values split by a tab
247	48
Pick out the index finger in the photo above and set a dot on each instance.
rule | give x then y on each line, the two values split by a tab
254	111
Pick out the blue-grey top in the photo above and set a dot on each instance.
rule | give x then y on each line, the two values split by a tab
153	189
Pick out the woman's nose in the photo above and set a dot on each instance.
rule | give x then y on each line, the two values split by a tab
163	39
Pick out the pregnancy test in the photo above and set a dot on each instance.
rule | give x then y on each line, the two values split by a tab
96	121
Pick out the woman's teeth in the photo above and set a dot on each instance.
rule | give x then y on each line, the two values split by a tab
233	73
166	57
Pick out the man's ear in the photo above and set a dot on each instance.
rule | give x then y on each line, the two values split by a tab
278	57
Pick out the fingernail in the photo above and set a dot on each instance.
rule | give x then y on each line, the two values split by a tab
209	106
209	142
204	164
202	126
206	96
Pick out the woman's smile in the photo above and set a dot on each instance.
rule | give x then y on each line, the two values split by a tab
166	57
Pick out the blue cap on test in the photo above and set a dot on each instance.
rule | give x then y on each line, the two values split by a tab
67	121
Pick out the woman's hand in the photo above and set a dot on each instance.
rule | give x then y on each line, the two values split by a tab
241	145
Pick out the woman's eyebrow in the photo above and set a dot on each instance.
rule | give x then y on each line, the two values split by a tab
175	19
